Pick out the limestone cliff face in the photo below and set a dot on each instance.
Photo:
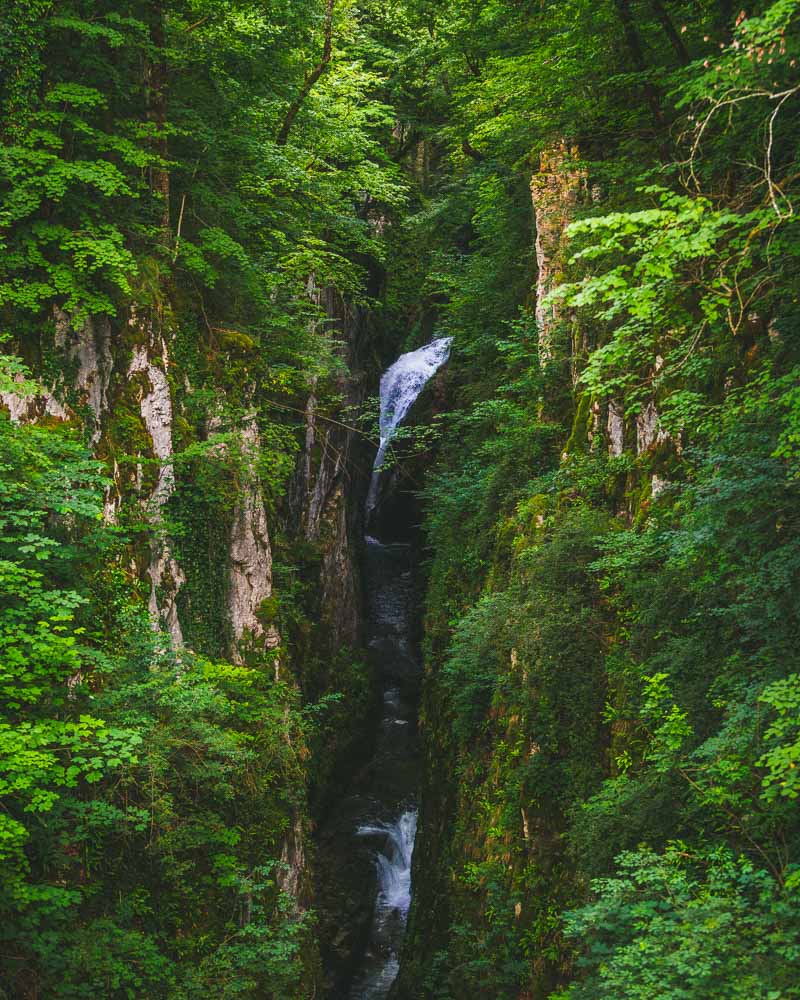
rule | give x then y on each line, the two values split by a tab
151	360
109	376
87	351
615	428
96	367
327	489
249	555
556	190
84	358
129	388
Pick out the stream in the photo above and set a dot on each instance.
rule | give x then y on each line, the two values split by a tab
385	818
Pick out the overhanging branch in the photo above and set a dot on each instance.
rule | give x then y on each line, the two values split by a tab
310	79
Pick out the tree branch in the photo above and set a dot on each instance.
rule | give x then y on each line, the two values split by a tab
311	78
197	24
469	150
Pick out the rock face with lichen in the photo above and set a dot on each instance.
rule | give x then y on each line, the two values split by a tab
556	189
615	429
166	575
489	859
93	374
325	494
87	350
129	389
83	356
250	555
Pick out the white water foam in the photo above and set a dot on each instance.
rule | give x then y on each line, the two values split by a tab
401	385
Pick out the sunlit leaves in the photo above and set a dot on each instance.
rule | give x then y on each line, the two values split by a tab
685	924
782	760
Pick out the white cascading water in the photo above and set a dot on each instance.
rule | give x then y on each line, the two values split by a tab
394	894
394	864
400	386
390	602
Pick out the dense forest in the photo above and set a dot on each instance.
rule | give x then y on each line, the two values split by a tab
220	222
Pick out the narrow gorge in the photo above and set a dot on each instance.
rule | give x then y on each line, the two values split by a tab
375	827
399	521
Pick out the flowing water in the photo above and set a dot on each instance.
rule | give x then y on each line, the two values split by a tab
400	386
389	821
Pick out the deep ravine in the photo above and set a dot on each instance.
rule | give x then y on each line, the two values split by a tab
389	819
377	822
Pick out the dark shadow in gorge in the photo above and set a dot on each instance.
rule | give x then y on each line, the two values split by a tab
365	841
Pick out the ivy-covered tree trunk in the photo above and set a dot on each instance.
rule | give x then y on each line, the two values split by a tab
156	87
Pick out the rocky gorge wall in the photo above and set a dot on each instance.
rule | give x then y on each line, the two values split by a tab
241	520
220	223
492	874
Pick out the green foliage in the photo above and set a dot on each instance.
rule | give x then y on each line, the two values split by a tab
45	748
611	706
611	641
144	797
783	738
688	924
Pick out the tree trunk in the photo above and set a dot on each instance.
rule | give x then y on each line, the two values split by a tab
670	31
156	81
634	43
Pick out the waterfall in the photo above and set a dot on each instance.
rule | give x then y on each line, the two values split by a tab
400	386
394	862
389	828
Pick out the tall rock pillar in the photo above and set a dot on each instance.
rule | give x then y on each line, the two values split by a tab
556	190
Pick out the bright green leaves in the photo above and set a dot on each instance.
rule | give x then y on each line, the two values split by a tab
687	924
63	180
37	644
75	95
95	30
666	297
38	759
43	476
56	263
49	490
15	376
214	253
78	266
782	759
669	291
707	620
670	727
